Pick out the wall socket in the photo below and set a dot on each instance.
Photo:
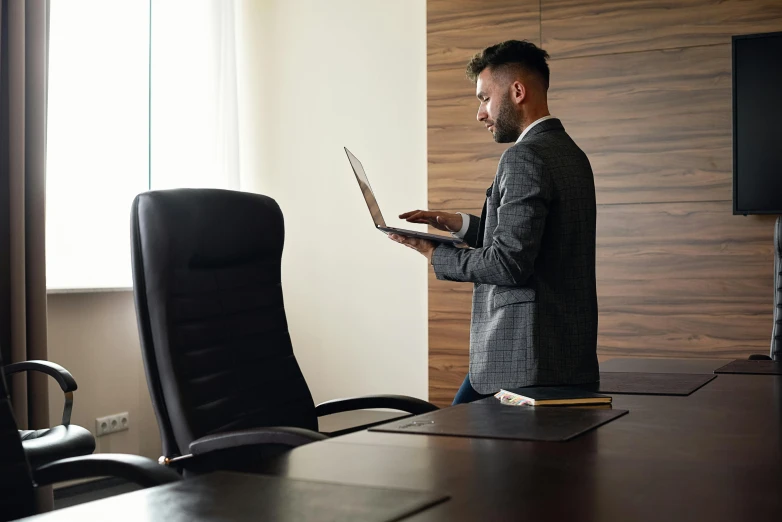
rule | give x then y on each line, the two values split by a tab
112	424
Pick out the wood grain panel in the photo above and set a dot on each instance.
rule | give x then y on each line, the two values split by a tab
577	28
656	126
683	279
457	29
449	337
684	335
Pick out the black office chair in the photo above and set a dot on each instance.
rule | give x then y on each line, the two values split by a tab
18	480
776	330
217	353
58	442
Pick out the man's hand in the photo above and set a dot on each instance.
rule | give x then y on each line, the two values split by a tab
445	221
421	245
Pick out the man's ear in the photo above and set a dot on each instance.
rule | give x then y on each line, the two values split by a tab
518	92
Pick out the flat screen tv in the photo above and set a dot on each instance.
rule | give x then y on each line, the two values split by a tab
757	124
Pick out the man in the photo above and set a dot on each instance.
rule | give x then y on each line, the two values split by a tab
534	307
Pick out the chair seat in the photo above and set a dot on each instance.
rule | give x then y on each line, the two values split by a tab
58	442
33	434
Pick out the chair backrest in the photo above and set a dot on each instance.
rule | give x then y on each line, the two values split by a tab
16	485
776	333
214	336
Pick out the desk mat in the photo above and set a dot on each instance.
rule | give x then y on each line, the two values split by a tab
497	421
661	365
752	367
240	497
652	383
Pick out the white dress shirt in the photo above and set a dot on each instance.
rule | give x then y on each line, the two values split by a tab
465	218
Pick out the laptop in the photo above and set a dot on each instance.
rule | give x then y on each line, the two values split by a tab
377	216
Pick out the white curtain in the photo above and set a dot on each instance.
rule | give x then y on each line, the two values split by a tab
194	137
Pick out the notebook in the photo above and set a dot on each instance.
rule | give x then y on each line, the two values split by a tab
550	396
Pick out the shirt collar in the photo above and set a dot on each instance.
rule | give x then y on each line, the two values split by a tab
544	118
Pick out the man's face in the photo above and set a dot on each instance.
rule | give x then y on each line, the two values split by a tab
497	111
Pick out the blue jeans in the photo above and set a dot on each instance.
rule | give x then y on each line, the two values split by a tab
467	393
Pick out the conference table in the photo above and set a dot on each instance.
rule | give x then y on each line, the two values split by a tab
715	455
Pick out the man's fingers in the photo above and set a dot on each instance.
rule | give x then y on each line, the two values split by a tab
399	239
420	216
417	215
439	220
407	241
402	239
425	221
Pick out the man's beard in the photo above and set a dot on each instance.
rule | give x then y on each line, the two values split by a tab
508	123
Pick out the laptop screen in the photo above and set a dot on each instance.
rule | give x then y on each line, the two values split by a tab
366	190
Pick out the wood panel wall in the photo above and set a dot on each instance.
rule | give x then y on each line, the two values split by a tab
645	89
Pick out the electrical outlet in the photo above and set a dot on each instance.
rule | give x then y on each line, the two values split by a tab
112	424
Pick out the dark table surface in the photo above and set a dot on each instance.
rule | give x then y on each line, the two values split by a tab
715	455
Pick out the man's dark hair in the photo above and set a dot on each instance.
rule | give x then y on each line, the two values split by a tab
526	55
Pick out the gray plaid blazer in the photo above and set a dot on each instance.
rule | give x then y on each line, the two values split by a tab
534	305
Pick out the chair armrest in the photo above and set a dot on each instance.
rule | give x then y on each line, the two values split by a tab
242	450
139	470
392	402
284	436
61	375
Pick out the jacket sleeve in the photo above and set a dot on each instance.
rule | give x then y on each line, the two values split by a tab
525	195
471	236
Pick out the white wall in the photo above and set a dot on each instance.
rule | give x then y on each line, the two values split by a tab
94	335
322	75
319	75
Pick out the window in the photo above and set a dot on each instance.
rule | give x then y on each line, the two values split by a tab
141	95
97	139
